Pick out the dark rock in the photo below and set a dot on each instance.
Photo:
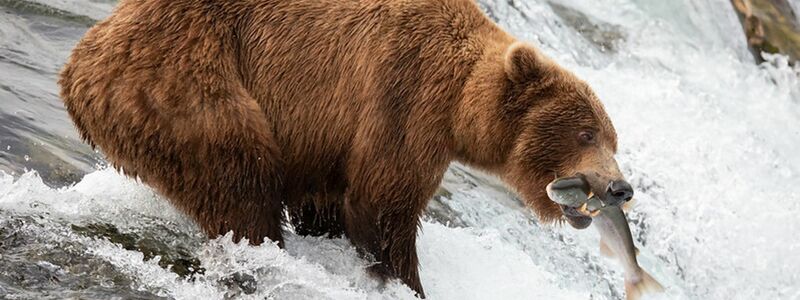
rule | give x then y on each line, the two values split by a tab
34	265
239	283
603	35
176	258
439	210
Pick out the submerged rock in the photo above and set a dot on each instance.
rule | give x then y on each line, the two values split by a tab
771	26
603	35
177	258
440	211
40	261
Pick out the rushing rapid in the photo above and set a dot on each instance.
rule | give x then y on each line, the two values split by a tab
707	138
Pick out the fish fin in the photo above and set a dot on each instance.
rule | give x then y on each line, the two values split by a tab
605	250
646	284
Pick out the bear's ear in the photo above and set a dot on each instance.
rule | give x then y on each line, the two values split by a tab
523	62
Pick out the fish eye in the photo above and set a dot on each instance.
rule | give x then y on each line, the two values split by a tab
586	137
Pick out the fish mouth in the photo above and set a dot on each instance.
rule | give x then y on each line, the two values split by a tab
575	198
592	206
577	218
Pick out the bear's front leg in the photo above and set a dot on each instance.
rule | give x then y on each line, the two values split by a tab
382	211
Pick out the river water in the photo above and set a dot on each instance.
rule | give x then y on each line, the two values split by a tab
709	140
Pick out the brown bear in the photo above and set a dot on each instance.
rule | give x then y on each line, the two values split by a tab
344	113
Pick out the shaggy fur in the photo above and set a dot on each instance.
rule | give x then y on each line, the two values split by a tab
346	113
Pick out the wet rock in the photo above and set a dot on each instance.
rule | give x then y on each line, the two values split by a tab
603	35
176	258
239	283
770	26
38	264
439	210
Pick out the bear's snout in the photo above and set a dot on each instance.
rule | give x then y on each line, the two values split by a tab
618	192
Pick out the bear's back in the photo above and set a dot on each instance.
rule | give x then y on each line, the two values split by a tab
319	72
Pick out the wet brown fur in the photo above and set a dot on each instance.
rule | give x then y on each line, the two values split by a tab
346	113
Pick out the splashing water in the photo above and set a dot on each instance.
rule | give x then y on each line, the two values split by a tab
707	138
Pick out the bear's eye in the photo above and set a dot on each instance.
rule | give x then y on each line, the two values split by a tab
586	137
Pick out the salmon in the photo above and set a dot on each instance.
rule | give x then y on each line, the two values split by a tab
615	234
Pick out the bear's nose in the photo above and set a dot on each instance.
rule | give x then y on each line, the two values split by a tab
619	191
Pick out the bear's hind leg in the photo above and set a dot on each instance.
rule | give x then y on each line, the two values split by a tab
220	165
180	119
246	200
226	182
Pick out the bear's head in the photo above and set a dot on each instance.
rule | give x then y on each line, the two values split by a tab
558	128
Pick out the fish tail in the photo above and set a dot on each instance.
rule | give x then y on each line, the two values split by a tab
646	284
